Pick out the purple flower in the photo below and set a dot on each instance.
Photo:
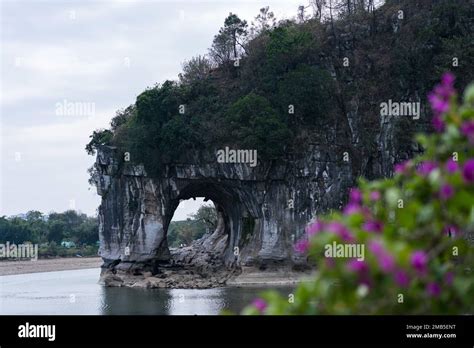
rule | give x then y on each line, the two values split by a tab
375	247
419	261
401	168
433	289
439	104
438	124
447	81
451	166
351	208
439	100
314	228
468	171
467	129
355	196
386	262
446	192
302	246
260	304
426	167
362	270
401	278
451	230
373	226
341	230
357	266
375	195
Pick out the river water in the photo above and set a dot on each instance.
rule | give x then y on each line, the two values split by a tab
78	292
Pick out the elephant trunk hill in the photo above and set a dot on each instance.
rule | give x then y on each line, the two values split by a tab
316	105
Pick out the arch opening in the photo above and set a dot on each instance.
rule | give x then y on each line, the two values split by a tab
215	248
192	220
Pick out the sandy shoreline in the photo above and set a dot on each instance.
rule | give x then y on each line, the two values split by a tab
48	265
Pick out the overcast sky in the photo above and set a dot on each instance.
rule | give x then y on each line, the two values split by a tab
101	54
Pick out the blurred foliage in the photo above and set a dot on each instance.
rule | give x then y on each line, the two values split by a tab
417	229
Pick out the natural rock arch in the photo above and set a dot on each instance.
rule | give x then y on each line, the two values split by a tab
230	209
263	209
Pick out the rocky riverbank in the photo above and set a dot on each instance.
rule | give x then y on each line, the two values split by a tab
192	279
196	268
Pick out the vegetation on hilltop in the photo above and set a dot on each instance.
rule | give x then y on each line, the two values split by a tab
241	93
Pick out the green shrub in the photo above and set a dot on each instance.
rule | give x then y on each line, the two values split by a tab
257	125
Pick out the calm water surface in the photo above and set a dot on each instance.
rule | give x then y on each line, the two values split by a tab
78	292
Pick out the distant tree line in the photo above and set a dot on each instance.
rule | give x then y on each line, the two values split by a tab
58	234
72	233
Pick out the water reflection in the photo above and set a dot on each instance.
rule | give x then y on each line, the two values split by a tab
78	292
120	301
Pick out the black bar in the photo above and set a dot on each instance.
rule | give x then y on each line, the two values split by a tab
136	331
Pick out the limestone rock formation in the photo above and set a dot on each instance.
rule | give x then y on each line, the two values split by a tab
262	210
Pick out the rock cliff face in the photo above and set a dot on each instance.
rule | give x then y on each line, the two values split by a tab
262	210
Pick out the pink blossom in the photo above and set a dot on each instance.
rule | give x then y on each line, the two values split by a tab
386	262
451	166
341	230
375	195
439	104
419	261
314	227
446	192
468	171
260	304
401	278
439	99
355	196
375	247
426	167
401	168
438	124
302	246
467	129
447	81
352	208
357	266
362	270
451	230
373	226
